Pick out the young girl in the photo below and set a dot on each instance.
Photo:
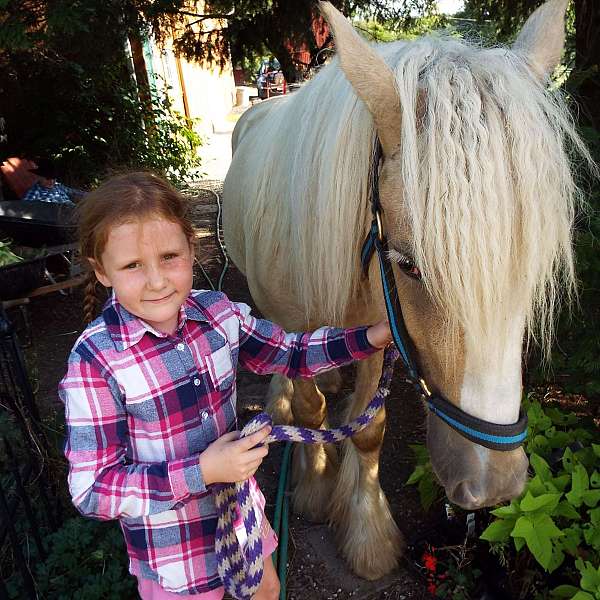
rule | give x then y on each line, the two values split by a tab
150	391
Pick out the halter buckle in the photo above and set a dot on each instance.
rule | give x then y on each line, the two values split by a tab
379	226
424	387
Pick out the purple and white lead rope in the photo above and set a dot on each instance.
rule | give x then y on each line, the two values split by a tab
241	570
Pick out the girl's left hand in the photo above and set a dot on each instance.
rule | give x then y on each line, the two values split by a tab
379	335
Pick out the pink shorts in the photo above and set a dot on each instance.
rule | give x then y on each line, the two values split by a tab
150	590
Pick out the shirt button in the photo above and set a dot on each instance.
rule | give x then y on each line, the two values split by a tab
196	381
180	347
204	415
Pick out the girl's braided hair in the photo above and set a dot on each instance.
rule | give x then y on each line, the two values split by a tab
123	199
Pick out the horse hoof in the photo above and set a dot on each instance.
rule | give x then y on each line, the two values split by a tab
365	530
373	549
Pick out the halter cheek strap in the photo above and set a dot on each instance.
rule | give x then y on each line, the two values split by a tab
484	433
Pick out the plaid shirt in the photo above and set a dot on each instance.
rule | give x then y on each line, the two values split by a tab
141	406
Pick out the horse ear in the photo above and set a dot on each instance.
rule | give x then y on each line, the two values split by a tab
542	38
370	77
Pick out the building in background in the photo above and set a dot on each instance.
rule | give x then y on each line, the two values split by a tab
200	92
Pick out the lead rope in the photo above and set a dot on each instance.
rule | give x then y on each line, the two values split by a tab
241	569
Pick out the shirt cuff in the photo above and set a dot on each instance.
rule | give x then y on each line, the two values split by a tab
358	343
185	477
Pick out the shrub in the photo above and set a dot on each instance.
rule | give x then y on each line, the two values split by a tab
554	526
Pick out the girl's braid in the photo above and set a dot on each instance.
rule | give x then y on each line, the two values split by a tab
90	300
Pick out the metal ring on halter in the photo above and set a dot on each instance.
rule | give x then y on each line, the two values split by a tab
424	387
379	226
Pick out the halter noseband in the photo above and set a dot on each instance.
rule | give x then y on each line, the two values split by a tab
484	433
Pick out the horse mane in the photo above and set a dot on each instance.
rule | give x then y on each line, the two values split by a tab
490	222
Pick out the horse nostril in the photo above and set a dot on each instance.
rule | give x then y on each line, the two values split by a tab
468	495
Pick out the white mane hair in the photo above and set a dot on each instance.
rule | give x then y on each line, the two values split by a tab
487	184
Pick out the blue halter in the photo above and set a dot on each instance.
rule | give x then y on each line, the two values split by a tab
484	433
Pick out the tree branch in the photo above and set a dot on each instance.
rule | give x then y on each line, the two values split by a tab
203	17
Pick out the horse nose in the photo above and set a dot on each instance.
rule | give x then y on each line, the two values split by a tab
468	495
472	494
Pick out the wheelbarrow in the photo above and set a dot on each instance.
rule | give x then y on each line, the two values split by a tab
37	224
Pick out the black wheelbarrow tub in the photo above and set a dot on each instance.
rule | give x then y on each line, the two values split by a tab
20	278
37	224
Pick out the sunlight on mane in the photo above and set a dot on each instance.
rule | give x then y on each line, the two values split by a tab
487	185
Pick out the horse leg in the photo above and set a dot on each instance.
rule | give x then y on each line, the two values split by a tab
279	400
314	467
329	382
366	532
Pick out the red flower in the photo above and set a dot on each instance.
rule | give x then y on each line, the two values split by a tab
430	561
431	588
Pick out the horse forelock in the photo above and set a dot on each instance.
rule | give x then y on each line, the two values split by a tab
487	185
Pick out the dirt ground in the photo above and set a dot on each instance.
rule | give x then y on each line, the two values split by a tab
316	571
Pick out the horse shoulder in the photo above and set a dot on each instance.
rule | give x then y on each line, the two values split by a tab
252	119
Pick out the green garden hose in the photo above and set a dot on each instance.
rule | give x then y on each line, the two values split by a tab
281	519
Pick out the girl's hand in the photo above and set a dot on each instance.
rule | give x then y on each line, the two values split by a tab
231	458
379	335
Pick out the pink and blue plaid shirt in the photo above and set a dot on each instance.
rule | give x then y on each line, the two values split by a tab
141	406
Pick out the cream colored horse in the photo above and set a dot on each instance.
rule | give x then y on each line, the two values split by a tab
476	191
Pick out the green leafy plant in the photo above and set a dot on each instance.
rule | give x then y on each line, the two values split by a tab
554	526
558	515
7	256
424	478
86	561
589	584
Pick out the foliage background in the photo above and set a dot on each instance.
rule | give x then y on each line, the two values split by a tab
67	91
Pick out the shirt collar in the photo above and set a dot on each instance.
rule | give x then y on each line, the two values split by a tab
126	330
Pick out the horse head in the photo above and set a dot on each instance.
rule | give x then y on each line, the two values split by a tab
477	198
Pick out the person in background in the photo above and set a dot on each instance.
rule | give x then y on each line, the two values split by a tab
47	188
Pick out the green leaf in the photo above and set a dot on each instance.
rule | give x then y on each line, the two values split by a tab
571	540
545	503
429	490
421	453
590	576
561	482
498	531
510	510
538	531
561	418
596	448
574	498
416	475
537	418
540	466
537	486
567	460
580	481
595	479
592	537
564	509
544	525
582	596
519	543
557	559
564	591
591	498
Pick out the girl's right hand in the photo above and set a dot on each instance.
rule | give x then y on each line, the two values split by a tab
231	458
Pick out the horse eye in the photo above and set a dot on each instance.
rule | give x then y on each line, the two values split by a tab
405	263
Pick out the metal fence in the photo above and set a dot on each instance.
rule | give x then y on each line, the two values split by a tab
28	499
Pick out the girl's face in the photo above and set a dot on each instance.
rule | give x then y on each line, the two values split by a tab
148	264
